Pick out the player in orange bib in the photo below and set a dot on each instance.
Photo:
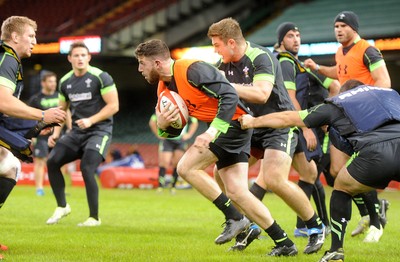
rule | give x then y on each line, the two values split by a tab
212	99
357	59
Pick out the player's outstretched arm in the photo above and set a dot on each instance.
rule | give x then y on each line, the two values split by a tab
273	120
12	106
329	71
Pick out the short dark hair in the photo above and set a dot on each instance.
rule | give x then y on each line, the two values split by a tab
153	48
46	74
76	45
350	84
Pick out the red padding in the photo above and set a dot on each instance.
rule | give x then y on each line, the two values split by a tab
127	177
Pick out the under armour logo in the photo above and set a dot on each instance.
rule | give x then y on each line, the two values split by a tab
191	107
283	144
230	73
342	16
344	70
69	86
88	81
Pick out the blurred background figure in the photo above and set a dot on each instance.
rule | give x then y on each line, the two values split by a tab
132	159
46	98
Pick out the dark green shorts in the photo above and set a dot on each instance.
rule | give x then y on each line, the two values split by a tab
279	139
232	147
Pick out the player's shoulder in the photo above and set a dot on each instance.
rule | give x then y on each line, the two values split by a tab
257	50
95	70
66	76
99	73
8	62
259	54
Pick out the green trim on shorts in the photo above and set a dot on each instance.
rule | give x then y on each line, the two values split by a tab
103	144
289	141
325	144
353	156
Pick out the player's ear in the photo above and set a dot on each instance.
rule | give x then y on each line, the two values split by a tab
158	63
231	42
14	37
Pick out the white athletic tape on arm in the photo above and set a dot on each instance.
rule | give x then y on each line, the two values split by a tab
9	162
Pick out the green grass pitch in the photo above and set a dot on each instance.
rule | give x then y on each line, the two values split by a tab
141	225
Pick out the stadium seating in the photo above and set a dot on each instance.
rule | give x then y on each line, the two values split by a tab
74	17
315	19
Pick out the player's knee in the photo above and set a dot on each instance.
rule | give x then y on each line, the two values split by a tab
334	170
260	180
10	166
273	182
55	160
308	177
51	163
182	170
237	195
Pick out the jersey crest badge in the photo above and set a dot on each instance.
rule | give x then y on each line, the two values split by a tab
88	82
246	71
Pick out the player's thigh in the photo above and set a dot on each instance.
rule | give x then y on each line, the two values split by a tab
307	169
276	165
338	160
234	177
346	183
41	148
99	142
165	158
166	150
193	159
40	162
253	160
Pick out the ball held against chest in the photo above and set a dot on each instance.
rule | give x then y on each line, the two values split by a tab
168	96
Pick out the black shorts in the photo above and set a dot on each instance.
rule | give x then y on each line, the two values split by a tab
377	164
280	139
170	145
302	147
41	148
79	142
232	147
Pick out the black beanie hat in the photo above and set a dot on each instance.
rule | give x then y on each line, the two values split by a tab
283	29
349	18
